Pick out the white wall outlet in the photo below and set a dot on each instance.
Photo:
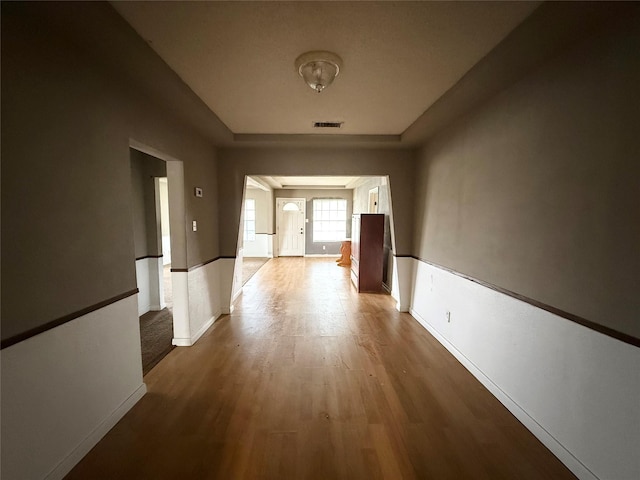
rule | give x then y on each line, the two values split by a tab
198	192
323	247
448	314
195	226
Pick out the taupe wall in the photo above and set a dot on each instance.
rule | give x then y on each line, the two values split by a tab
144	169
538	190
312	248
264	209
67	121
234	164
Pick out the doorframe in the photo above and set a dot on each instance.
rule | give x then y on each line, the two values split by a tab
159	214
178	238
373	200
276	252
159	223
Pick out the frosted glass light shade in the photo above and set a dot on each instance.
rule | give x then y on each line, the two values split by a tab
318	69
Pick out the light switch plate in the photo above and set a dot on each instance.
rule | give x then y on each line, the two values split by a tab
195	226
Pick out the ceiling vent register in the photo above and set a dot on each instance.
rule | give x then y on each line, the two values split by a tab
327	124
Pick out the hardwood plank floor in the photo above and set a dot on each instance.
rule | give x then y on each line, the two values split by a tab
309	380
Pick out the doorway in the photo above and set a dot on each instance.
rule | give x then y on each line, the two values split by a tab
369	193
290	226
152	242
373	200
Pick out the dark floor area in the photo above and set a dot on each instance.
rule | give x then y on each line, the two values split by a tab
250	265
156	332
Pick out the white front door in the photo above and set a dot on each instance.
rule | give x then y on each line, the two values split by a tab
290	226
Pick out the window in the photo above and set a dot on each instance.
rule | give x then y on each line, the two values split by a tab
329	220
290	207
249	220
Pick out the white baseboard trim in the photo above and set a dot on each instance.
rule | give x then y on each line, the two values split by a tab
204	328
571	462
331	255
228	311
236	295
67	464
155	308
401	307
188	342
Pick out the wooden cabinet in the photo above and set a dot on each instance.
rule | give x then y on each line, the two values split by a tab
367	236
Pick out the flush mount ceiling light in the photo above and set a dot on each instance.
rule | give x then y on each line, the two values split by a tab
318	68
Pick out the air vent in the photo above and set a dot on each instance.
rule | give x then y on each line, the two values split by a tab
327	124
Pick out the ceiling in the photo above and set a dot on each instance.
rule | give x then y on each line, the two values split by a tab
399	57
300	182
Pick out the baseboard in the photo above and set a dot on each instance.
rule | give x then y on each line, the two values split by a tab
236	295
401	307
205	327
156	308
228	311
188	342
571	462
331	255
67	464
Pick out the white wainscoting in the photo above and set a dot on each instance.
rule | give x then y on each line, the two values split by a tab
197	302
236	289
401	273
260	247
150	285
64	389
577	390
144	287
180	292
204	298
228	284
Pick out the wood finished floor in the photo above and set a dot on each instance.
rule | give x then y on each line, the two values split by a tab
309	380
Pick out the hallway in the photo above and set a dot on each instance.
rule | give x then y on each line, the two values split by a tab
308	379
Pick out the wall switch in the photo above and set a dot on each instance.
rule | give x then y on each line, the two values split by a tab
448	316
324	247
195	226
